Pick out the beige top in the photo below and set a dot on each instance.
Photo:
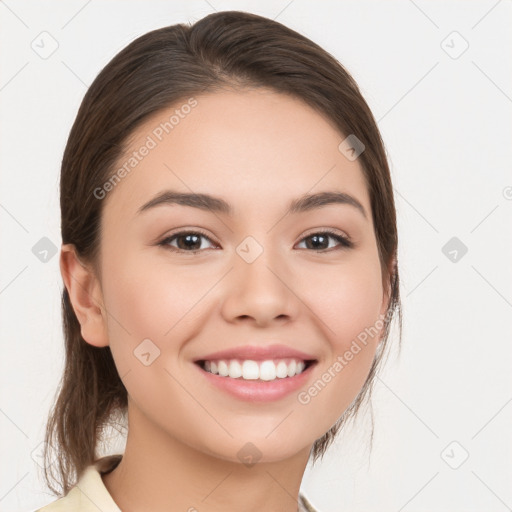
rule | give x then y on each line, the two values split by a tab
91	495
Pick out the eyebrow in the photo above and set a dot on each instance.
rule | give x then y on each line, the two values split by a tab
304	203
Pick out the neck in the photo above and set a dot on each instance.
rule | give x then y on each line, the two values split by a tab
160	473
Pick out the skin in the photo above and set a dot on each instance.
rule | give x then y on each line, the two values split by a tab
257	149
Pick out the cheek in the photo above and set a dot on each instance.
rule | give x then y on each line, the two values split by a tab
348	302
147	298
150	317
141	305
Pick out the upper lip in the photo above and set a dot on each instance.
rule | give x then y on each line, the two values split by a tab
258	353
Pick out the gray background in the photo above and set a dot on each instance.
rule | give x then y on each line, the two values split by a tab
437	76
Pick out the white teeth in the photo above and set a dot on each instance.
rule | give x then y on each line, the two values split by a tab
253	370
291	369
250	370
223	369
267	370
281	370
235	369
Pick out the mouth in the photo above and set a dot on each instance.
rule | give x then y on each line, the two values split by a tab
257	373
256	370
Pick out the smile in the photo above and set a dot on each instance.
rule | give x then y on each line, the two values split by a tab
259	381
267	370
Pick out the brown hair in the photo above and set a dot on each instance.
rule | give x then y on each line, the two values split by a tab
157	70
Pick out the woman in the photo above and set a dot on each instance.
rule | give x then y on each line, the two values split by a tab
229	261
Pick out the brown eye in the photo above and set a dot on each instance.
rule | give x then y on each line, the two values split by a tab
186	241
321	241
192	241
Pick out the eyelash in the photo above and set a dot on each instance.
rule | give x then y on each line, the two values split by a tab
345	242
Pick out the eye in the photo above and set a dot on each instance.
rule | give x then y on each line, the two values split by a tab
186	241
320	241
191	241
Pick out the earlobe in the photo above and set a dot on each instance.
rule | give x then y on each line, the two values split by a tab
85	295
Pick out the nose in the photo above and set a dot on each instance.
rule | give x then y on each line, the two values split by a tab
261	291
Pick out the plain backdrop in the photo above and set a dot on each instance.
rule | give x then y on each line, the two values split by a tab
437	76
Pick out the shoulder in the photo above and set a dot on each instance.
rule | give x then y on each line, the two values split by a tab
71	501
89	493
305	505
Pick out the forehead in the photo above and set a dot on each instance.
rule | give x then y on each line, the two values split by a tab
254	146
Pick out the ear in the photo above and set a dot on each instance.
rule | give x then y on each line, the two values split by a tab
386	294
386	289
85	295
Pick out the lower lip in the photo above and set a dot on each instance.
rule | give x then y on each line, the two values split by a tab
257	390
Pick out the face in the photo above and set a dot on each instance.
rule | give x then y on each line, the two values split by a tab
263	288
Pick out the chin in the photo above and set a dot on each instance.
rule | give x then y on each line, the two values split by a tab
254	447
